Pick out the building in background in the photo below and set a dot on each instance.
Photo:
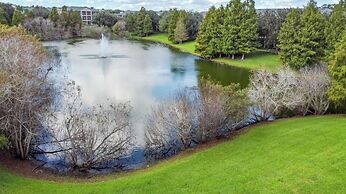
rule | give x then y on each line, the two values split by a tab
87	15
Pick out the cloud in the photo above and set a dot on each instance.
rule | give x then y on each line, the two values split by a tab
199	5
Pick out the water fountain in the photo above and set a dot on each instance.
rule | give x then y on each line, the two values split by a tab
104	44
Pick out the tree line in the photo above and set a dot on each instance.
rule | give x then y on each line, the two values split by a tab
229	31
179	24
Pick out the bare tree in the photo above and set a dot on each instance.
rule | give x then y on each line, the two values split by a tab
170	124
195	116
26	91
314	83
300	92
91	137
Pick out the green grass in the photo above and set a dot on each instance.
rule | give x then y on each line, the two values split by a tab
255	61
300	155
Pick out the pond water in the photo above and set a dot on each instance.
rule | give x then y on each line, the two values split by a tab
141	73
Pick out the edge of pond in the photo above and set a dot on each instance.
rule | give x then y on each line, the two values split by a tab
56	178
192	53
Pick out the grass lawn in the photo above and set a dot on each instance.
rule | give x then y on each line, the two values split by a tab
300	155
256	60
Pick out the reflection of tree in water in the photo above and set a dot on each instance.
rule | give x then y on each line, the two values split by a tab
223	74
178	69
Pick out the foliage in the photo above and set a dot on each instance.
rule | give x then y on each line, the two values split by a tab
92	31
38	11
269	25
119	28
147	25
302	38
208	34
337	70
256	60
17	17
130	22
229	31
53	15
180	32
105	18
3	141
336	25
7	10
3	19
26	90
164	21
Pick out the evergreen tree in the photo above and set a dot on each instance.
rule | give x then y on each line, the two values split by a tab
140	22
337	69
206	35
336	25
289	40
17	17
63	18
247	41
180	32
53	15
148	25
3	19
313	34
172	24
130	22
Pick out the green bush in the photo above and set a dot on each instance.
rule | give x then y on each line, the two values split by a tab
3	141
93	31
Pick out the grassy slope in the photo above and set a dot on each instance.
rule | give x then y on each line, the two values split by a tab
255	61
302	155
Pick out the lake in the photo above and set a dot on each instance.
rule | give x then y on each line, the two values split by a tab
141	73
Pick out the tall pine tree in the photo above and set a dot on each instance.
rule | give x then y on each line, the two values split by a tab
337	69
336	25
140	22
172	24
313	34
180	32
302	37
289	40
148	25
233	19
17	17
53	15
3	19
207	35
248	29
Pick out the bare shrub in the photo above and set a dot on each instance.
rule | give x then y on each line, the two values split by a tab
92	137
26	92
299	92
195	116
315	83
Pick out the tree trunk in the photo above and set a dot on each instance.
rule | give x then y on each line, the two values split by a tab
243	57
233	57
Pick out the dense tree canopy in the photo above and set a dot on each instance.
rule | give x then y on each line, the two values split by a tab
336	25
143	23
17	17
302	37
53	15
3	19
180	32
229	31
337	69
105	18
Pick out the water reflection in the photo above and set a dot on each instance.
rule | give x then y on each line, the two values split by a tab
139	73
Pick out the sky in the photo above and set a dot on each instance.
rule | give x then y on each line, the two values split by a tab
196	5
